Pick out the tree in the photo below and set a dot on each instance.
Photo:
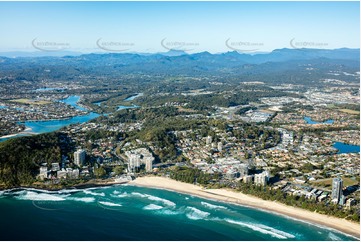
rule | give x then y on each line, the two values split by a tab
118	170
99	172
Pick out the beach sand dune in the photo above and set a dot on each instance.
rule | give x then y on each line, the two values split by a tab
225	195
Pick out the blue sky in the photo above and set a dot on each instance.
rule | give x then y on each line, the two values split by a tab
191	26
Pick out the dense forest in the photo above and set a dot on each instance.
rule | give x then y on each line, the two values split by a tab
240	95
192	175
20	158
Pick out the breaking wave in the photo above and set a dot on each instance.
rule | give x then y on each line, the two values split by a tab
212	206
111	204
196	214
33	196
154	198
152	207
162	200
263	229
138	194
94	193
169	212
334	237
82	199
69	191
124	194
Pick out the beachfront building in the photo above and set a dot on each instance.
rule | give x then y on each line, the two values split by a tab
133	162
61	174
350	202
342	200
72	173
139	157
79	157
43	172
247	179
149	164
55	166
261	179
337	185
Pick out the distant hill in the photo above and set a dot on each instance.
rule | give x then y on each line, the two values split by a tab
277	55
279	63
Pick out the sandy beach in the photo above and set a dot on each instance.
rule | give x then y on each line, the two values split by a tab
8	136
224	195
26	131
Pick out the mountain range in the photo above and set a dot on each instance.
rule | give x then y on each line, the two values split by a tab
175	62
276	55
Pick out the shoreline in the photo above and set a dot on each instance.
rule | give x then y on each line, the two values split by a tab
228	196
25	132
89	184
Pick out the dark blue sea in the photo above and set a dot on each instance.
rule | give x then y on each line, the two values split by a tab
126	212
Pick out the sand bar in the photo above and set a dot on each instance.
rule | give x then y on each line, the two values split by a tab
224	195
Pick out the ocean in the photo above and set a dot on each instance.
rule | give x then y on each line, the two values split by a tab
127	212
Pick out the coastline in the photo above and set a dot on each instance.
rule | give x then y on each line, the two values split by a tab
94	183
223	195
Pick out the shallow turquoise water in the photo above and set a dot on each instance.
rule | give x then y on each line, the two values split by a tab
135	213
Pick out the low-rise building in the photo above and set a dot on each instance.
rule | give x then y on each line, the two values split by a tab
61	174
55	166
350	202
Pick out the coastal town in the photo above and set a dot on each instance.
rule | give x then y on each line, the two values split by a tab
180	121
302	153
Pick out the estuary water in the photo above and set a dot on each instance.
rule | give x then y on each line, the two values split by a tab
45	89
131	98
73	101
53	125
310	121
126	212
41	126
346	148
